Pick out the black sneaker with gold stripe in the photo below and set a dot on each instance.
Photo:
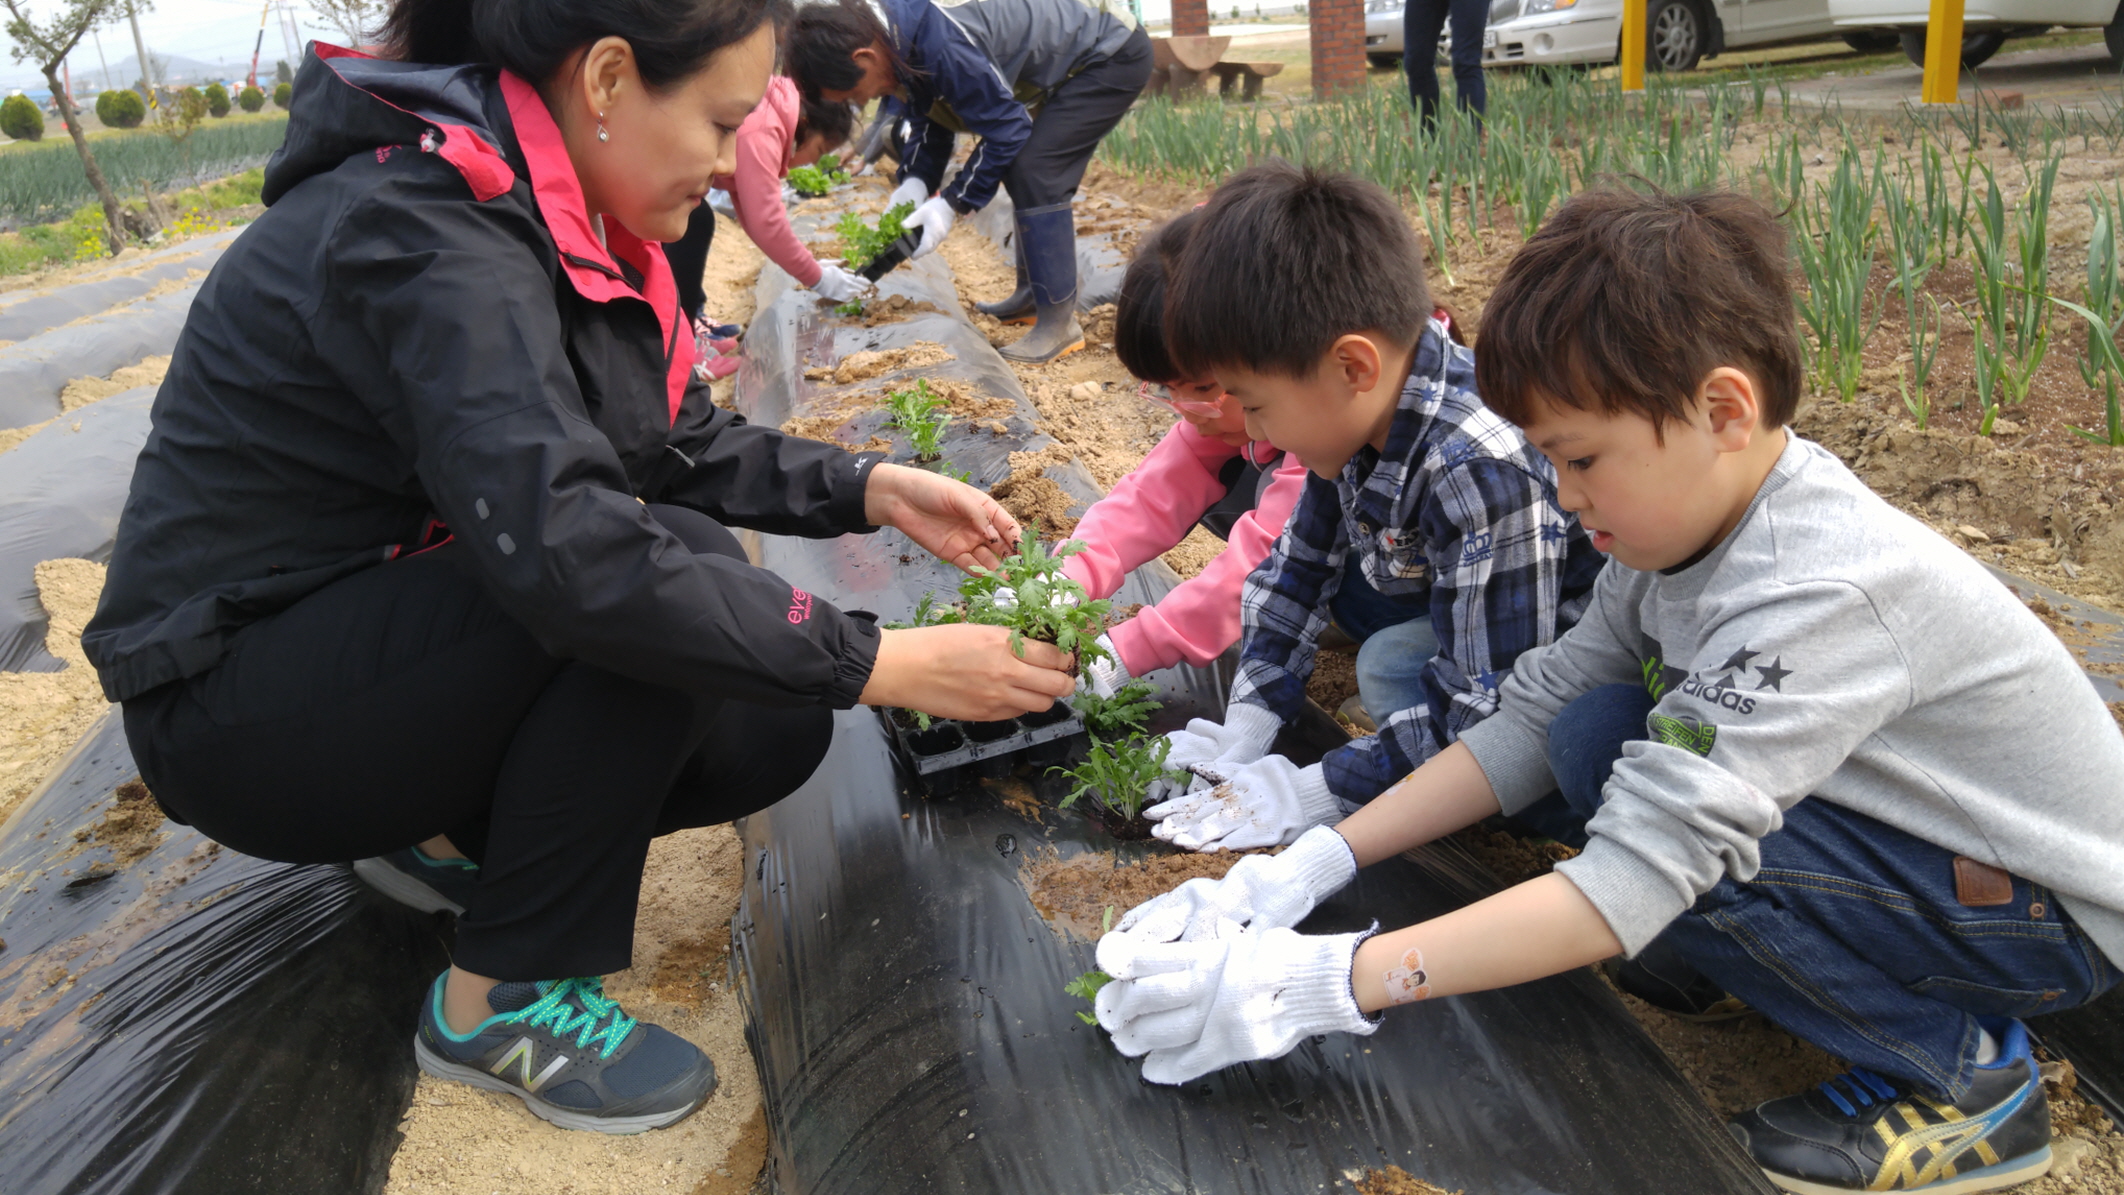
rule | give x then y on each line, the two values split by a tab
1863	1132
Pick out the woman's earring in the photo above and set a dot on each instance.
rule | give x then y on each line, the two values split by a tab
602	135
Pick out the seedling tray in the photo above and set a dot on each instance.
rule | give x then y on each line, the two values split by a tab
942	756
895	253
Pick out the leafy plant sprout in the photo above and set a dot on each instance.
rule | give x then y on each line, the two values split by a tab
863	243
853	307
816	180
1126	710
1087	985
1029	595
918	411
1118	774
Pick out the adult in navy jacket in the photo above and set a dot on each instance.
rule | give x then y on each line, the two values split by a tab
422	564
1039	81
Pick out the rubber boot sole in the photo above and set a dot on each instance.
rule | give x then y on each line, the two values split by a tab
2010	1173
1058	355
435	1064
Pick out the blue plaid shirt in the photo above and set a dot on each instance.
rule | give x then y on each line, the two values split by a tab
1459	507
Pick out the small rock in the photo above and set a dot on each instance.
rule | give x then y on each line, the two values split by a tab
2067	1154
2005	427
1086	391
1972	534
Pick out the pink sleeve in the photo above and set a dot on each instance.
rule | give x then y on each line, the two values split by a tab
756	191
1200	617
1149	510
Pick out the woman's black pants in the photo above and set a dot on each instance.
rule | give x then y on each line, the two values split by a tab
1421	22
402	703
688	256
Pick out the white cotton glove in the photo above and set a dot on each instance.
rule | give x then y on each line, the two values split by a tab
911	190
935	219
1244	994
1105	677
1244	736
838	284
1264	803
1260	892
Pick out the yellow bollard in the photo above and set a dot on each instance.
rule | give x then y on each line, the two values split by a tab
1943	53
1633	42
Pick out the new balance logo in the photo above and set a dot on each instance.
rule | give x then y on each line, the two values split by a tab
525	1051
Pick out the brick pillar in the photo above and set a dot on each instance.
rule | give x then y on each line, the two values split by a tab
1190	18
1338	46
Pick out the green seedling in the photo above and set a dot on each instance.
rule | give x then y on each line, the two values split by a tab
816	180
1029	595
852	308
1118	774
2105	304
1913	255
918	411
1125	711
2103	343
1835	244
953	471
862	243
1086	987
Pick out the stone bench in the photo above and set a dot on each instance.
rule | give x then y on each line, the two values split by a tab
1180	67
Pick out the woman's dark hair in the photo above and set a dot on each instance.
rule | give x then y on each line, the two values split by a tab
820	118
672	39
1139	314
820	41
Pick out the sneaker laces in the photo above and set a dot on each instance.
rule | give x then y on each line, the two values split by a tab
555	1011
1861	1083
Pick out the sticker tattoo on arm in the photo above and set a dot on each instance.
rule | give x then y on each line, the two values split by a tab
1408	982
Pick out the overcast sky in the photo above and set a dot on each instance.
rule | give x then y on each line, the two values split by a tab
209	30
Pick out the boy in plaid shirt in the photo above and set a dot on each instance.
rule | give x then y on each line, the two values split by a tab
1439	504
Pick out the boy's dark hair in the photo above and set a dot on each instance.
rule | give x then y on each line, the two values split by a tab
820	118
1285	260
1139	313
1626	299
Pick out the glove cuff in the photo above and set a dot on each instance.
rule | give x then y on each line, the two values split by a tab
1316	805
1117	668
1255	725
1323	997
1321	862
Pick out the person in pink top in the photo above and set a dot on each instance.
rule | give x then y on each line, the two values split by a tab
1206	470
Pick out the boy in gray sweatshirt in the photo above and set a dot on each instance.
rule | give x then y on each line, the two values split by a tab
1827	766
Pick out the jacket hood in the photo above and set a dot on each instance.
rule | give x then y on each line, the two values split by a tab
347	103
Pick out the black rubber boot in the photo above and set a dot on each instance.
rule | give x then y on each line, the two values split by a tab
1048	237
1018	308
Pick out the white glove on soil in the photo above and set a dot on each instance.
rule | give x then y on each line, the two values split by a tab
1244	736
1260	892
1104	677
1264	803
911	190
935	219
1195	1007
838	284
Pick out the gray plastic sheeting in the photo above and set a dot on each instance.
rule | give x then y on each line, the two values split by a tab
26	313
905	1002
61	492
33	373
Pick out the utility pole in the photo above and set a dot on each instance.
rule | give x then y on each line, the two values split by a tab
291	34
147	74
107	84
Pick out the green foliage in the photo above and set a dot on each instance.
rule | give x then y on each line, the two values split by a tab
952	471
191	106
816	180
1126	710
121	109
80	237
2101	365
21	119
861	243
1836	243
283	73
852	308
918	411
283	94
1118	773
1913	255
1030	595
1086	987
217	98
250	99
45	182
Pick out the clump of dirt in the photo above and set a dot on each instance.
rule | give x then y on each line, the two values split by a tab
43	714
1074	894
1395	1181
1031	496
891	309
1098	325
1334	680
131	827
869	363
82	391
1193	554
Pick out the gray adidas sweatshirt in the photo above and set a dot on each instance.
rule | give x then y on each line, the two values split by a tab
1836	648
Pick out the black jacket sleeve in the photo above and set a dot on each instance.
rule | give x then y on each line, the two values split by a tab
454	341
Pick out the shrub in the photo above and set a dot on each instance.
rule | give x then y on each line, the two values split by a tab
21	119
121	109
189	106
217	98
250	99
282	93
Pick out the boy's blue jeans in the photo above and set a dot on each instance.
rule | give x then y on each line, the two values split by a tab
1394	639
1851	935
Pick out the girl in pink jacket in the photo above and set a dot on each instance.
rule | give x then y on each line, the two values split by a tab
1204	471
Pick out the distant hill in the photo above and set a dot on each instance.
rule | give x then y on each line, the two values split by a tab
178	70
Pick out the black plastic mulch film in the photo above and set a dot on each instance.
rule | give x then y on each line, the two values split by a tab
905	1001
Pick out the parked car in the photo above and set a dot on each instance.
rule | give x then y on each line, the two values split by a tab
1986	24
1383	34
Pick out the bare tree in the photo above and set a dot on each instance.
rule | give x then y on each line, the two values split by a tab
47	45
355	18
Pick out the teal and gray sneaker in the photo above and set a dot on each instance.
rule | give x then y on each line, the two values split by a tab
410	877
1864	1132
565	1049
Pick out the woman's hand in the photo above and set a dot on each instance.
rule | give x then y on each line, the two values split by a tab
965	671
951	519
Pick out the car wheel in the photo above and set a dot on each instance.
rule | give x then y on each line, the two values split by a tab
1872	41
1977	48
1676	30
1385	62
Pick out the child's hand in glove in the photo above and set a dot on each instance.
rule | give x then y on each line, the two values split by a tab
1264	803
1245	994
1244	736
1260	892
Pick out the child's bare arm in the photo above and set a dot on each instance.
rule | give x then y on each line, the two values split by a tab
1526	932
1449	792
